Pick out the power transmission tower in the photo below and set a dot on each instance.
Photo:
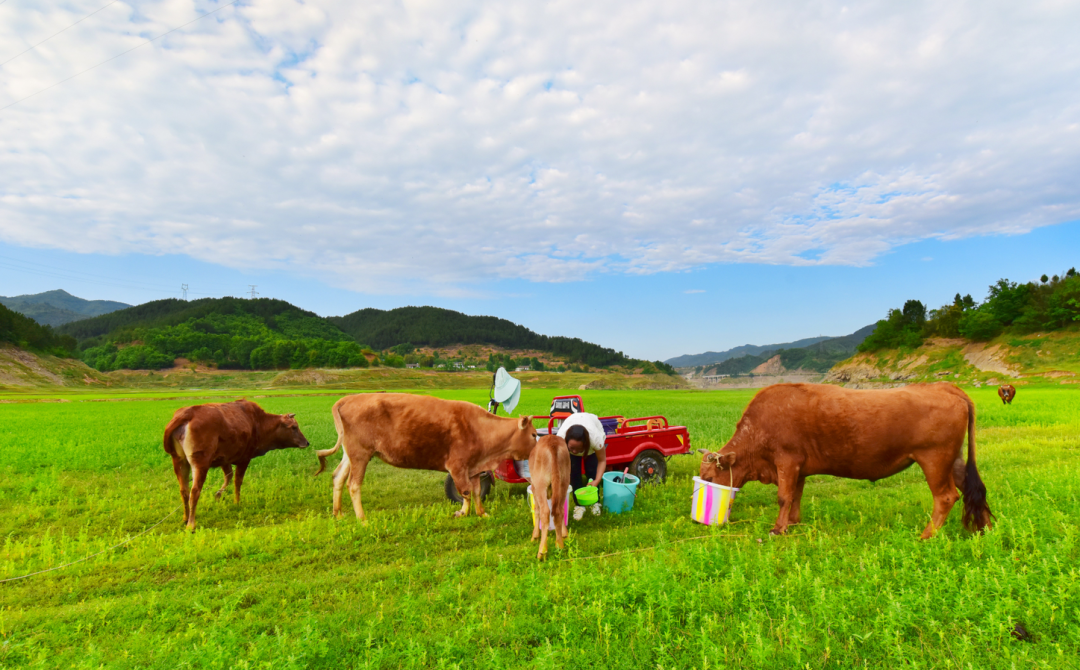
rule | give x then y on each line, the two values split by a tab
253	291
183	287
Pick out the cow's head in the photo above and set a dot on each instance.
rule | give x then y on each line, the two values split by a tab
723	468
287	433
524	439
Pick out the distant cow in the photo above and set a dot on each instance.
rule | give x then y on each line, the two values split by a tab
792	431
221	435
1006	392
549	464
422	433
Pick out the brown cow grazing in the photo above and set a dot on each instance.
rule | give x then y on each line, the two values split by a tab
549	465
792	431
221	435
422	433
1006	392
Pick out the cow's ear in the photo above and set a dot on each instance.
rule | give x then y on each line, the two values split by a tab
725	461
524	423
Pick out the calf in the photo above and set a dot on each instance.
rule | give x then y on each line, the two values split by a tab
1006	392
792	431
221	435
549	464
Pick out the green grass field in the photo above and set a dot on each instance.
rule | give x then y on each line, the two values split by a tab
277	583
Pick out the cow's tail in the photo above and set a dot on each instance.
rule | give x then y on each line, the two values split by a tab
323	453
178	420
977	514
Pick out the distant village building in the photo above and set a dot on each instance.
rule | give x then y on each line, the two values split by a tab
412	365
714	378
459	365
522	368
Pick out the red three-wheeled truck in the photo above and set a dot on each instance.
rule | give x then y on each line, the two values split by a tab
641	443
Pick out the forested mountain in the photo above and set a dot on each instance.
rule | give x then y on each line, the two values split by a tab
1048	304
817	357
709	357
273	334
436	327
55	308
22	331
228	332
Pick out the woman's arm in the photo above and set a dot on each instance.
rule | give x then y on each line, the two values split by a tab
601	466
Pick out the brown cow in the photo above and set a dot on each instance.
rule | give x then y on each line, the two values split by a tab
792	431
422	433
1006	392
221	435
549	464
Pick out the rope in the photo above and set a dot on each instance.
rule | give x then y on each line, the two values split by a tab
87	558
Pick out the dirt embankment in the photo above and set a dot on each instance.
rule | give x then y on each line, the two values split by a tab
1015	359
21	368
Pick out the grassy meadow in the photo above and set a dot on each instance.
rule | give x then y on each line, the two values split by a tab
278	583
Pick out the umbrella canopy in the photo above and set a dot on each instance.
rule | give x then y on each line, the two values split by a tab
507	390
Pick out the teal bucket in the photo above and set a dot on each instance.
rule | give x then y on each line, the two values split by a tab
619	491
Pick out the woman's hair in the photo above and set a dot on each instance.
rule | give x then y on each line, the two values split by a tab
578	433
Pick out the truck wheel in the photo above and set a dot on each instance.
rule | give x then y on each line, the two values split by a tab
452	493
649	466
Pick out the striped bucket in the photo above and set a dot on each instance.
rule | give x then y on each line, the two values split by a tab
551	515
711	503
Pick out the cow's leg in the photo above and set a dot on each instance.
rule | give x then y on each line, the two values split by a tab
540	503
558	506
796	501
198	479
241	469
341	475
227	469
787	483
939	476
464	486
478	500
183	470
356	480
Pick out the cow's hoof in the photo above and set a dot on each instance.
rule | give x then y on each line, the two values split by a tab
775	531
485	515
541	557
458	514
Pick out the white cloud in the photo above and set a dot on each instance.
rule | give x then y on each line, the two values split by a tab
416	146
694	290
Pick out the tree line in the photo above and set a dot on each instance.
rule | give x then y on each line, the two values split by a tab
437	327
24	332
1047	304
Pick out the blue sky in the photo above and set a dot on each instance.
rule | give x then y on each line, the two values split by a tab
574	167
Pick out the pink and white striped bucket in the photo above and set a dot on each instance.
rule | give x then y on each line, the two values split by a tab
711	503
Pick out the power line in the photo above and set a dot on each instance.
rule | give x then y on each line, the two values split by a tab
120	283
183	287
153	39
253	291
41	268
56	33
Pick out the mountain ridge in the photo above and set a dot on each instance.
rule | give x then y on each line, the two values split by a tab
58	307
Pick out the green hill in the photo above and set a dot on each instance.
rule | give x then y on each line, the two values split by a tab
437	327
226	332
55	308
24	332
265	334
